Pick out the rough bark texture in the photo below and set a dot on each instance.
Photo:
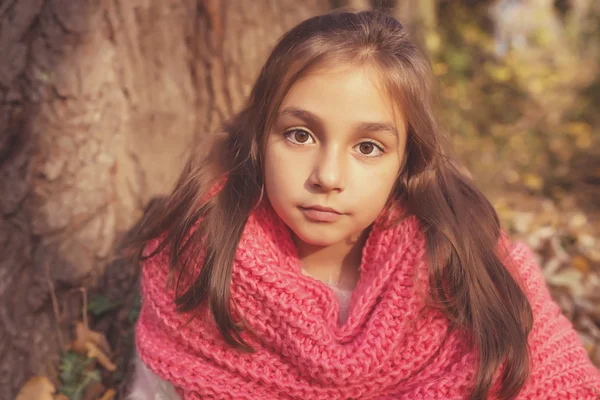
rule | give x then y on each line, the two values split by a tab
98	102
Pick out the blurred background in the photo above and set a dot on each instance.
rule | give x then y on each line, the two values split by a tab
101	99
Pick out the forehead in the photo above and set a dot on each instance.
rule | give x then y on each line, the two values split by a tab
345	94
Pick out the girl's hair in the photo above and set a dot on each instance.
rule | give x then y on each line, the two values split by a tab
469	282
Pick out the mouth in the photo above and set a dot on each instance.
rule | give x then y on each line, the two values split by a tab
321	214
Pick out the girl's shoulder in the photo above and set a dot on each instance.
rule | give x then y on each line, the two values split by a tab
525	267
559	361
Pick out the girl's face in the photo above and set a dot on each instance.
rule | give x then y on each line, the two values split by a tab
333	154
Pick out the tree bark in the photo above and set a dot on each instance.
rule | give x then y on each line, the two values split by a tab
99	101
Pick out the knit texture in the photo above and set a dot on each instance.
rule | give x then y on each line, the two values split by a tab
389	347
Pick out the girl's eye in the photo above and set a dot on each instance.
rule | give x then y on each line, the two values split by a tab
298	136
370	149
301	137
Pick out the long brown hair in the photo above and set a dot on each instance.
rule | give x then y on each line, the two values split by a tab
469	281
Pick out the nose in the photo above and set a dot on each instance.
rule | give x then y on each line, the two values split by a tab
329	173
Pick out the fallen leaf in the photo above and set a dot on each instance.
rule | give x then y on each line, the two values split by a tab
61	396
578	220
37	388
94	391
84	335
537	238
582	132
594	254
581	264
94	352
108	395
586	241
523	221
533	181
432	41
499	73
440	68
570	279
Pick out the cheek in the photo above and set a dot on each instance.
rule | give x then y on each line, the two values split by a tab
283	174
372	190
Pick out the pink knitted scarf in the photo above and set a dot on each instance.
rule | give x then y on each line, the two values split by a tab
390	346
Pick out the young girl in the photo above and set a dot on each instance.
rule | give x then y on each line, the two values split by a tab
327	247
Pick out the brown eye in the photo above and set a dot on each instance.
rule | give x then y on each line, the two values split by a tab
301	136
298	136
367	148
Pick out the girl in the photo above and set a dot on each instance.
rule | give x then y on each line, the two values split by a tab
327	247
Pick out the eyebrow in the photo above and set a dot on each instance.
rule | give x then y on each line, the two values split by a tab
311	118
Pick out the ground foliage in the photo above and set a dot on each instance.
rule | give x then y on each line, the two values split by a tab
525	121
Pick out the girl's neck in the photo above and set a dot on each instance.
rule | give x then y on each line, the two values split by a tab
337	264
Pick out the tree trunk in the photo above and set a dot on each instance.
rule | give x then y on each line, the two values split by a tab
99	102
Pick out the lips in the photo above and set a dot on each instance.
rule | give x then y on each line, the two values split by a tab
321	214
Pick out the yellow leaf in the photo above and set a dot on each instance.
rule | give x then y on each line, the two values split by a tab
432	41
94	352
536	85
581	264
499	73
471	34
517	141
533	181
84	335
583	142
582	132
37	388
440	68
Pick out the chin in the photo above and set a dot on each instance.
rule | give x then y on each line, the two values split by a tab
318	236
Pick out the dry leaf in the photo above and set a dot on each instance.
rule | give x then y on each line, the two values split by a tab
37	388
533	181
581	264
586	241
578	220
84	335
61	396
570	279
94	391
594	255
440	68
109	394
94	352
537	239
582	132
522	221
